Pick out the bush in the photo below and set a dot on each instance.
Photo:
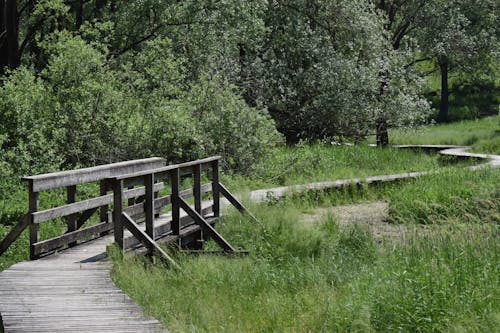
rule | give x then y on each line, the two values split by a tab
241	134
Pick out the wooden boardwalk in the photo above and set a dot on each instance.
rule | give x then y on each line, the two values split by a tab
71	290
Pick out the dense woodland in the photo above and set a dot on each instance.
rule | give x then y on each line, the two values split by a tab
85	82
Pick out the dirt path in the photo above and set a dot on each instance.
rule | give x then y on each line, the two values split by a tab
373	216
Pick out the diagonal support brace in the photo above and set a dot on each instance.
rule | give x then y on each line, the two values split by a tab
129	223
205	226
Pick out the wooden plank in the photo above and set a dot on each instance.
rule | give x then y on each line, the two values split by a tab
164	228
215	187
71	220
145	239
84	205
117	212
84	217
57	242
235	202
175	179
162	171
85	175
34	203
197	187
206	227
14	233
149	205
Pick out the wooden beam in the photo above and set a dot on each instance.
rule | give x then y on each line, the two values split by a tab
84	205
14	233
146	240
71	220
235	202
34	203
149	205
175	179
84	217
206	227
57	242
215	187
117	212
85	175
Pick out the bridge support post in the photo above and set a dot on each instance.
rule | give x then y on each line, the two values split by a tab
215	187
117	212
34	204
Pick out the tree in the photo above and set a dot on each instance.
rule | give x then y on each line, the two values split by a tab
459	35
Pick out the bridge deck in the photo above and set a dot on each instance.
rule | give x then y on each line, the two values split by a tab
70	291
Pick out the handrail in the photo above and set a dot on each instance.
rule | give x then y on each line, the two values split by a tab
147	178
85	175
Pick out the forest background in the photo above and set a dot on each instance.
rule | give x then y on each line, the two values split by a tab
87	82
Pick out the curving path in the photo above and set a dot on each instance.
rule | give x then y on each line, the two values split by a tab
71	291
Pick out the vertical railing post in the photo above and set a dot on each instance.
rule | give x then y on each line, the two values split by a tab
103	212
197	187
149	204
197	201
34	204
215	187
71	219
117	211
175	180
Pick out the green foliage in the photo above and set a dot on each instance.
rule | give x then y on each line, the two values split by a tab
26	142
482	134
470	197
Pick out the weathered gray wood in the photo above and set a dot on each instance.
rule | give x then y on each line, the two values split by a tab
85	175
14	233
65	293
163	173
163	228
84	216
84	205
34	203
175	180
104	210
70	237
117	212
146	240
149	205
197	187
71	220
215	187
235	202
206	227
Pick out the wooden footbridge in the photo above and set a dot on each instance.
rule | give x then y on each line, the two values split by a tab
69	289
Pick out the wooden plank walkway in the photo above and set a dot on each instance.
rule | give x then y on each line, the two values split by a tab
71	291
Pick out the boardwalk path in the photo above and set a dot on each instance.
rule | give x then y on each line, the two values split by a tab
72	291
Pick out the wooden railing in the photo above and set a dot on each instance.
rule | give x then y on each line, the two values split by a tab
136	187
75	212
198	219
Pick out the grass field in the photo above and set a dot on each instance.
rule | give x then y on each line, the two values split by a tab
482	134
323	278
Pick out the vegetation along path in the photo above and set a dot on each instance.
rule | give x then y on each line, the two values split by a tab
71	291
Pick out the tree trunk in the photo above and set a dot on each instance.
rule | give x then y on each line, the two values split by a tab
9	36
443	107
382	135
78	7
4	59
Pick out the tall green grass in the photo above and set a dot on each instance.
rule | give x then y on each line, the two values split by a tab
309	163
323	278
483	134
